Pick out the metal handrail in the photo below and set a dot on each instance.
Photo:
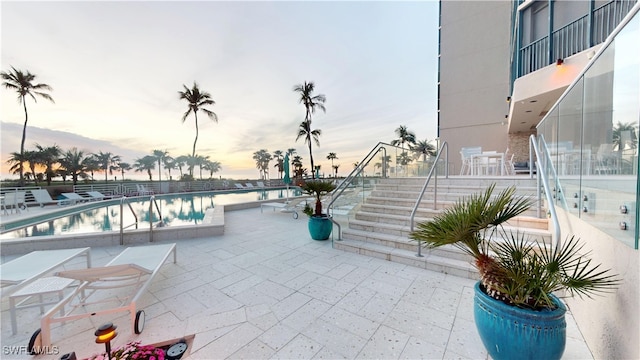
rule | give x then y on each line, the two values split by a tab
540	170
548	159
355	172
122	227
434	168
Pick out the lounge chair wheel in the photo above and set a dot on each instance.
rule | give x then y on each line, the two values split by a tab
295	215
139	325
35	343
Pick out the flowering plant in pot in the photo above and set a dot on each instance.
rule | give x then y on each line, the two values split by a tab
131	351
320	225
516	314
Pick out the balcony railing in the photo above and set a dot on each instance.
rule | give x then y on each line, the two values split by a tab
573	38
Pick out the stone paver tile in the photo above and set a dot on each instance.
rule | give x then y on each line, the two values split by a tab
419	349
178	288
274	290
353	323
278	336
340	271
222	254
326	354
445	300
465	341
255	311
419	294
386	343
322	293
306	314
300	259
231	279
228	343
265	321
334	338
301	347
204	338
253	297
340	286
409	325
184	306
425	314
254	350
358	275
379	307
302	280
242	285
206	321
289	305
356	299
383	286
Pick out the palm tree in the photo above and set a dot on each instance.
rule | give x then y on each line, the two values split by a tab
123	166
280	165
424	148
310	102
305	131
92	165
74	163
181	161
262	158
160	156
200	161
50	156
34	159
404	136
22	83
197	100
169	164
296	163
212	167
335	168
332	156
16	161
106	160
145	163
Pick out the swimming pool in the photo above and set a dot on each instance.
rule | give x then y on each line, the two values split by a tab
176	209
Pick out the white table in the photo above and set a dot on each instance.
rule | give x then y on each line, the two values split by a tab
485	158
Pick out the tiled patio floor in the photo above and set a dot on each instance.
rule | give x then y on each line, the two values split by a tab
266	290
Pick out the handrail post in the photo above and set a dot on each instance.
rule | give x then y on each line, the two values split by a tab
122	220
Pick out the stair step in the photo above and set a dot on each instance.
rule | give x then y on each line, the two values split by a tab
428	261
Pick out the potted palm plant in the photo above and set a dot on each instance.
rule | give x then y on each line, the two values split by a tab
516	313
320	225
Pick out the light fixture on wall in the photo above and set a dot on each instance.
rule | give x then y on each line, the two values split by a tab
559	62
508	99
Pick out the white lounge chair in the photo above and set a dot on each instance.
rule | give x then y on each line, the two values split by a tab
22	278
260	184
97	195
43	198
14	200
121	282
74	198
239	186
249	185
142	190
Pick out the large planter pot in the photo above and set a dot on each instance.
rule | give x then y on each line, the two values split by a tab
509	332
320	227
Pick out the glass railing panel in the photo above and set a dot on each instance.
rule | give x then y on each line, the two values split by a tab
384	163
592	136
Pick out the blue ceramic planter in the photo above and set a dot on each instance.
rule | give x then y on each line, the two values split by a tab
320	227
509	332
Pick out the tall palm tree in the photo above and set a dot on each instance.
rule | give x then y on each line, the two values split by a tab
197	100
50	156
145	163
23	84
212	167
16	160
279	164
181	161
335	168
34	159
404	137
160	155
618	131
106	160
262	158
310	102
92	164
74	163
332	156
305	131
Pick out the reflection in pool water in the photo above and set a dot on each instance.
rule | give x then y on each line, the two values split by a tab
176	209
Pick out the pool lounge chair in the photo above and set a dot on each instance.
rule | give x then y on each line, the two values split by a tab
73	198
249	185
97	195
260	184
142	190
121	283
14	200
43	198
239	186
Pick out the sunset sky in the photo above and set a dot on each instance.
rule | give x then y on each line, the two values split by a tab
116	69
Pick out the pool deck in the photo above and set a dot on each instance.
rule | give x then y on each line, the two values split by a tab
265	290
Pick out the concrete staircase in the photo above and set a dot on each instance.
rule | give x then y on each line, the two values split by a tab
380	226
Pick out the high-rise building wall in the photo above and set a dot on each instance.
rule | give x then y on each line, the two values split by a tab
474	74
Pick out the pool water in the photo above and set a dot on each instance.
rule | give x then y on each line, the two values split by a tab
176	209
